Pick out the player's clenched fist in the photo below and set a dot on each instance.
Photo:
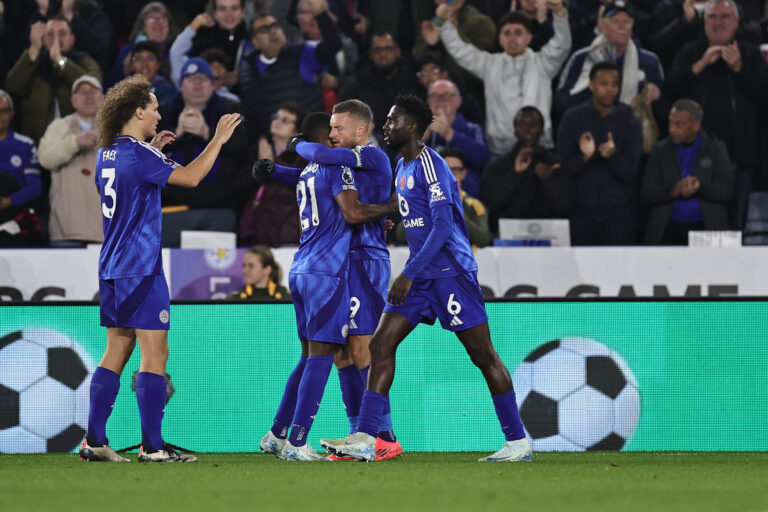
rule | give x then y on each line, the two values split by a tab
262	169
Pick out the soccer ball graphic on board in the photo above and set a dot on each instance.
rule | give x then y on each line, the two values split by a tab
576	394
44	385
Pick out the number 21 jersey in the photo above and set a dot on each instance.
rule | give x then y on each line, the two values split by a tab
129	175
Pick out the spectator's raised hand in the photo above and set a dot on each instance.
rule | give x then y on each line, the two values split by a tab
732	56
445	11
86	140
557	7
202	20
265	149
544	171
442	126
430	33
317	6
587	145
689	11
523	159
68	9
710	57
194	123
608	148
36	32
55	51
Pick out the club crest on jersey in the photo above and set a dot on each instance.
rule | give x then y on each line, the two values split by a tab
436	192
402	182
16	160
410	182
164	316
345	330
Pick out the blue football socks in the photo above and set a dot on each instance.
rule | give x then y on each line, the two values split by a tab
104	387
311	389
509	416
370	413
150	393
385	427
287	407
351	393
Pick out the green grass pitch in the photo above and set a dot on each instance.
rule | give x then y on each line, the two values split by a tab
593	481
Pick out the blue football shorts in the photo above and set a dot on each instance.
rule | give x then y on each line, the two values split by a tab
138	302
457	301
368	282
322	307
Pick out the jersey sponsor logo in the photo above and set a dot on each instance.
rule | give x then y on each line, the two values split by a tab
402	182
436	193
402	205
16	161
410	182
165	317
414	223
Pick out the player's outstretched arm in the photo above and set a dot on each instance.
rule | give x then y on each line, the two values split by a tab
328	156
193	173
356	212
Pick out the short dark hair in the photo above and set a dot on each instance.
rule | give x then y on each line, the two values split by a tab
316	126
417	109
690	106
148	46
514	17
602	66
356	109
455	153
214	54
431	57
528	109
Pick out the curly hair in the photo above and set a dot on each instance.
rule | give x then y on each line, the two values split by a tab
118	108
417	109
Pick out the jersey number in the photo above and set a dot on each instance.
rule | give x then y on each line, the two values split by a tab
109	175
301	192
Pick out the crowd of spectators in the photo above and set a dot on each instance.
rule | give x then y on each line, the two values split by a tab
637	120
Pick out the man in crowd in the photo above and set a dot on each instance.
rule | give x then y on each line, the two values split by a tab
688	180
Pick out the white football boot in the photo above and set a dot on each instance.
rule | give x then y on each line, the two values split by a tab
102	453
359	445
270	443
167	454
301	453
512	451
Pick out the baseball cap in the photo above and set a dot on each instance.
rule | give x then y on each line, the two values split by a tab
193	66
86	79
616	7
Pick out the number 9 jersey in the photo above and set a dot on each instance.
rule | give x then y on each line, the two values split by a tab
129	175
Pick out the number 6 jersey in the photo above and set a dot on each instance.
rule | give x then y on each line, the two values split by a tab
129	175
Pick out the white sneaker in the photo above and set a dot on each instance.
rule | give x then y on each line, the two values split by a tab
270	443
303	453
101	453
359	445
167	454
512	451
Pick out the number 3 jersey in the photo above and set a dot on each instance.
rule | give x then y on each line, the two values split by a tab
422	184
325	235
129	175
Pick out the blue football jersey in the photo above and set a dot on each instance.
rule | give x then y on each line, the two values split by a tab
18	162
325	235
423	183
129	175
374	183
